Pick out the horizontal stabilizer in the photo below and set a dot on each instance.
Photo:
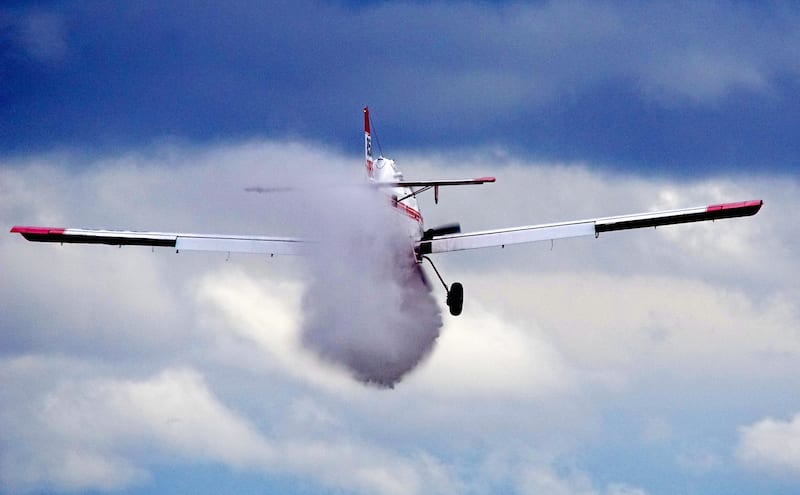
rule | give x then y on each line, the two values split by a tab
432	183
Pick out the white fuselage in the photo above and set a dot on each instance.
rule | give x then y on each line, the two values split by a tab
402	199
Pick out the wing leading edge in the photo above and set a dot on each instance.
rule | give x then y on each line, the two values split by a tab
552	231
179	241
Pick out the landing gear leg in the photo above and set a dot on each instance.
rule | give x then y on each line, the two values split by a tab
455	293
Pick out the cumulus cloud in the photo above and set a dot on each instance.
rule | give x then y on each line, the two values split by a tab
771	445
628	320
485	355
110	355
266	313
104	433
80	433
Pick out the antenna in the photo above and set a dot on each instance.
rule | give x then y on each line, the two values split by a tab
374	134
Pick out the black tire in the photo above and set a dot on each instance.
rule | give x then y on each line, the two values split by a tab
455	298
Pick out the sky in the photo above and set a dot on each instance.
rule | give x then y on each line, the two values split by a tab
643	362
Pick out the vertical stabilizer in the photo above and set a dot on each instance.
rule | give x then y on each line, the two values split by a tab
368	144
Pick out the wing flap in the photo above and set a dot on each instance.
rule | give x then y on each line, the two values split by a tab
241	244
501	237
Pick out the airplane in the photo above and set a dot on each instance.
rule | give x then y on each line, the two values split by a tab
382	173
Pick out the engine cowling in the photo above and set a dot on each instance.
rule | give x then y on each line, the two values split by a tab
447	229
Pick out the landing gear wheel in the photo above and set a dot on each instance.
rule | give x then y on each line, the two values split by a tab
455	298
455	293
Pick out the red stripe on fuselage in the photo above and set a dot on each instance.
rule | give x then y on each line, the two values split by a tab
409	211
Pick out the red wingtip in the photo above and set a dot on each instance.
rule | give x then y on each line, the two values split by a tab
742	208
487	179
17	229
366	120
756	203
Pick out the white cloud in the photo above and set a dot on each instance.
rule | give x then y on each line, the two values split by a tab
485	356
111	355
771	445
606	321
105	433
266	313
79	433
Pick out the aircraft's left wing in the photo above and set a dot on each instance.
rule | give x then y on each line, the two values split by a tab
179	241
545	232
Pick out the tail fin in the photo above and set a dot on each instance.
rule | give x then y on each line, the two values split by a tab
368	144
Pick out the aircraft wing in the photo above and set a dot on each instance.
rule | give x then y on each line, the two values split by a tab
551	231
179	241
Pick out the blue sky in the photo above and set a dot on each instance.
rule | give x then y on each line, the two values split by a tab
693	87
647	362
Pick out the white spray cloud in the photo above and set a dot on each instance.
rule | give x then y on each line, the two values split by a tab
367	305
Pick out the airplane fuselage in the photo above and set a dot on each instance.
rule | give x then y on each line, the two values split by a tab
402	199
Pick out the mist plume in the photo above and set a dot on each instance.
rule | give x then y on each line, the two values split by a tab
367	305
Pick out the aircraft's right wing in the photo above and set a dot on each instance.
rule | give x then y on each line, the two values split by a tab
551	231
179	241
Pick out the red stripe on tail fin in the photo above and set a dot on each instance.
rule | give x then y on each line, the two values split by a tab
367	144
